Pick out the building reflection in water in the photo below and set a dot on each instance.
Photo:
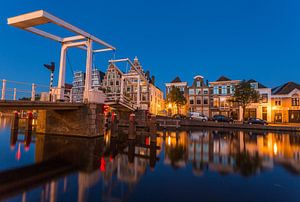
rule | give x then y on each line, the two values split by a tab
227	152
109	168
111	165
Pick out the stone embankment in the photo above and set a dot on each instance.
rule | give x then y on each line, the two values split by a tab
166	122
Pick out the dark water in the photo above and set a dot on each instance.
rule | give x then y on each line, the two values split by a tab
203	165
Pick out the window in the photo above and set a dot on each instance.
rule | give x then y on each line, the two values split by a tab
278	102
144	97
198	101
205	101
216	102
198	83
215	91
117	83
224	90
228	90
198	91
191	91
220	90
264	98
254	85
111	83
191	100
205	91
144	89
295	101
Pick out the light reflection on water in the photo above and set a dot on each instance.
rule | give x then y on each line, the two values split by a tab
179	166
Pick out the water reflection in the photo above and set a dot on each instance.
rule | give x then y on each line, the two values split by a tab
246	153
114	167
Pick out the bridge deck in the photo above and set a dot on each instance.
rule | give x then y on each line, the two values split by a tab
19	105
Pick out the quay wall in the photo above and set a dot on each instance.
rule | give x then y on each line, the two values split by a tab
186	123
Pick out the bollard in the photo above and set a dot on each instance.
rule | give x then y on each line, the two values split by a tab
152	155
33	92
114	125
29	121
131	151
3	89
15	125
13	138
27	139
15	94
132	127
152	125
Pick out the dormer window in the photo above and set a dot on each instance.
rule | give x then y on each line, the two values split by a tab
254	85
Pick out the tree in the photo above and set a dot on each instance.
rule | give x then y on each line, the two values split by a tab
244	95
176	96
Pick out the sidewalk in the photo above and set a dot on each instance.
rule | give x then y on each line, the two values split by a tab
285	124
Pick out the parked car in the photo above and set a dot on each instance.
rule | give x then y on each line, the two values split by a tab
257	121
179	116
198	116
222	118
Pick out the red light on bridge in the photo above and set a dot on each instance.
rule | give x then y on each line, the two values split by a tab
102	164
18	155
147	141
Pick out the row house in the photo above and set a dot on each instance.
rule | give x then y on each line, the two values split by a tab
222	92
285	103
278	105
137	86
199	96
78	83
112	80
183	87
261	109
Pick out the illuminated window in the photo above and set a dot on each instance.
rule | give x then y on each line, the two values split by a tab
264	98
216	102
295	101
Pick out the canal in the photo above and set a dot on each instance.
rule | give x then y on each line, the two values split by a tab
189	165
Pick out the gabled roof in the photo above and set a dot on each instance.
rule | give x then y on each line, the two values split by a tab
285	88
114	66
176	80
223	78
259	84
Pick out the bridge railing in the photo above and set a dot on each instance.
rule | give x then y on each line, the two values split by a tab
119	98
15	90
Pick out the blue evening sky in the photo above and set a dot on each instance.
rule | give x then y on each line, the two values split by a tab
240	39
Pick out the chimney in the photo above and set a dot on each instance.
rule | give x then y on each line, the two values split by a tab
153	80
147	74
207	82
